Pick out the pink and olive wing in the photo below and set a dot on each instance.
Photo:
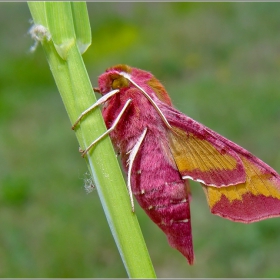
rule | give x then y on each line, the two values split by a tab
204	158
242	188
256	199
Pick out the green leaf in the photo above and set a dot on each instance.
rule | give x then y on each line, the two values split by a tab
37	10
82	25
60	24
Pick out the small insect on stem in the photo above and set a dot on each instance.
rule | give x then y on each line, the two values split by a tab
88	183
161	149
38	33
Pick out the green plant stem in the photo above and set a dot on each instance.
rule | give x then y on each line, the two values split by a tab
76	92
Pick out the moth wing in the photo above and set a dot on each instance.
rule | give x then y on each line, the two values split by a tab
202	156
256	199
238	185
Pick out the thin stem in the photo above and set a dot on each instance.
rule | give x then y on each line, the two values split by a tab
68	69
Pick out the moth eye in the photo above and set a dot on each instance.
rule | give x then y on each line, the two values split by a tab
120	82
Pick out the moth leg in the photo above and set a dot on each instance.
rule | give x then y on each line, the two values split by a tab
132	154
109	130
101	100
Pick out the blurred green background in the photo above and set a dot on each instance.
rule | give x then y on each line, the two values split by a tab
220	63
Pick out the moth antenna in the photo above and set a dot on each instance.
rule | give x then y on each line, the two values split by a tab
110	129
132	154
101	100
95	89
127	76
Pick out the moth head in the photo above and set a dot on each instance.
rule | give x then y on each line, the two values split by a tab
114	79
122	76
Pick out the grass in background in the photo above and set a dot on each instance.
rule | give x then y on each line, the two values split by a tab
220	63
